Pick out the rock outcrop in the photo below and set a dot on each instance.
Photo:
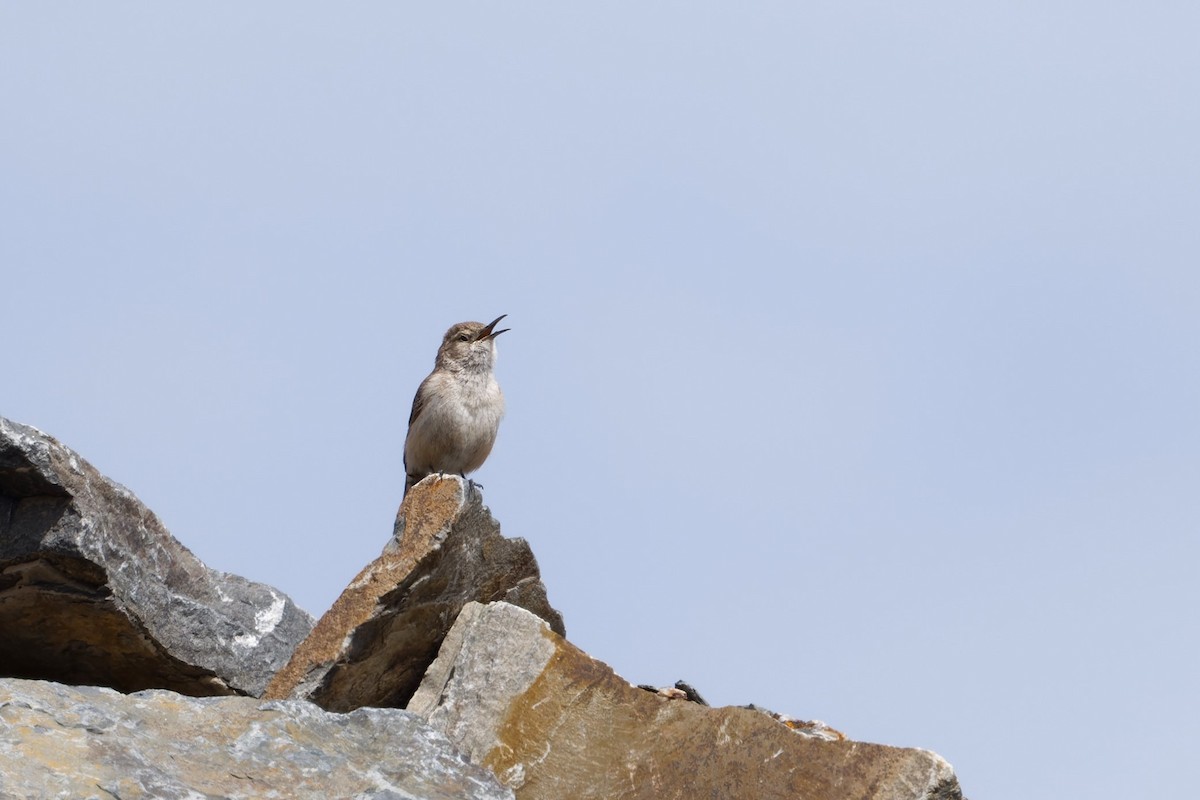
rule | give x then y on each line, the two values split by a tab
85	742
373	646
451	621
94	590
552	722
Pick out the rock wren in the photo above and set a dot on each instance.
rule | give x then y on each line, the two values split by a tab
457	410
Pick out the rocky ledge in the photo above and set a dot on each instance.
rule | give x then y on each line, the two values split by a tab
94	590
89	742
441	672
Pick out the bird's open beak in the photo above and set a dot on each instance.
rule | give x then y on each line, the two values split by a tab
487	332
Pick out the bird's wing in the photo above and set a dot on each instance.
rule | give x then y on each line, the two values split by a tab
418	402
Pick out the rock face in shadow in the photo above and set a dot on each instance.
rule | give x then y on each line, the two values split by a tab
94	590
91	742
552	722
373	646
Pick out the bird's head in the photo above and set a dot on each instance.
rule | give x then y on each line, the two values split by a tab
470	345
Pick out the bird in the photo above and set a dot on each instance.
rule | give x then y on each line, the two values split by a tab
457	409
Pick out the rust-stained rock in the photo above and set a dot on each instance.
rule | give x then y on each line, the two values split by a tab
90	742
552	723
94	590
373	646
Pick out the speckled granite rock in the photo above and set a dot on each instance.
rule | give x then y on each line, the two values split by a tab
554	723
87	742
373	646
94	590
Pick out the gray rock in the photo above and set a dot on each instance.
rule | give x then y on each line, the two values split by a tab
87	742
373	646
553	723
94	590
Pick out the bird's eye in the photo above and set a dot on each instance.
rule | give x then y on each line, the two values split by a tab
464	337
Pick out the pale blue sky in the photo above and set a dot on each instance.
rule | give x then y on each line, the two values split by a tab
853	368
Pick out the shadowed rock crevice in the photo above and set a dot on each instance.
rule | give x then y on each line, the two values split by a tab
83	636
